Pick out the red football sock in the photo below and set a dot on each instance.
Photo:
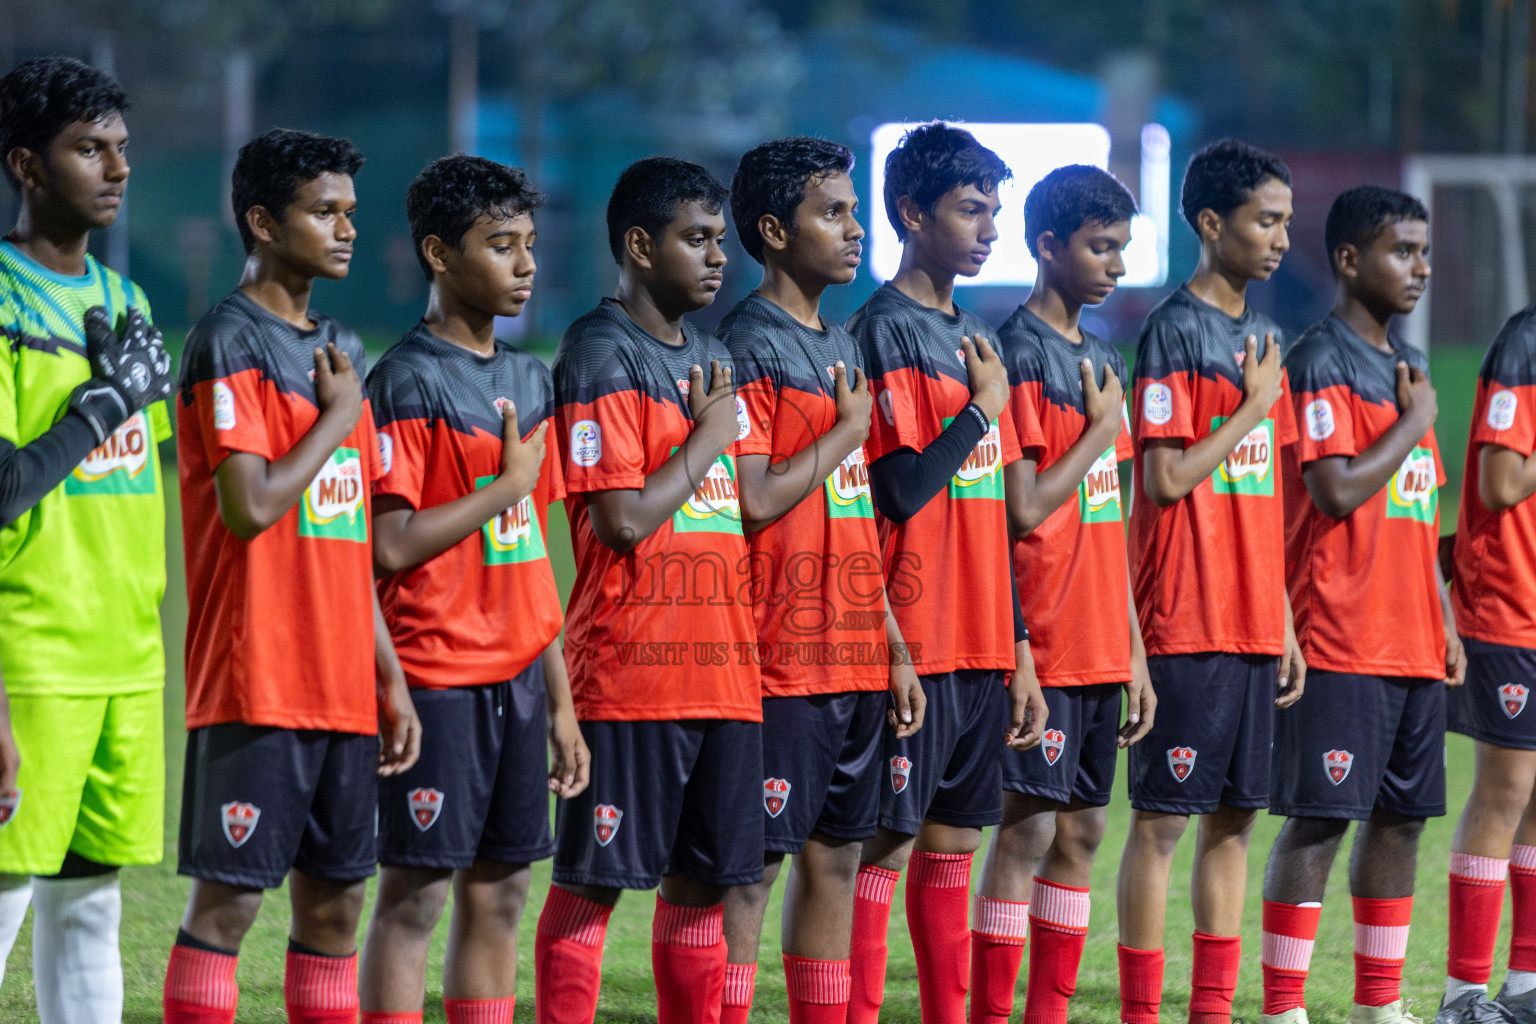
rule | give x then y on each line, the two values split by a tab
393	1017
1381	944
1213	982
938	888
320	989
568	958
736	999
999	929
1476	899
200	987
1141	985
688	960
818	990
1290	930
1522	883
871	921
479	1011
1058	920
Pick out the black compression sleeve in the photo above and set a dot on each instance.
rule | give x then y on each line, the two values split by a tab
1020	628
30	472
904	480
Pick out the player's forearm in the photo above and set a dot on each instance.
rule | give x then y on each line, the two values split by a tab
1138	644
903	481
1340	485
1505	478
1034	496
621	519
1169	473
405	537
770	489
1443	594
28	473
894	641
557	681
386	662
253	494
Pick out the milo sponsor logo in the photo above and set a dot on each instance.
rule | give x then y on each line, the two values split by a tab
847	488
1414	492
981	474
1098	496
713	507
514	535
333	505
119	465
1250	468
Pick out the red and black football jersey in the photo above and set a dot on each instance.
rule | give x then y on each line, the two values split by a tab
945	568
1071	569
1363	587
1209	570
281	627
819	600
1494	584
664	631
483	610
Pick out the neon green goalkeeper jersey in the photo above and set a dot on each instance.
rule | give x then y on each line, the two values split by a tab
82	572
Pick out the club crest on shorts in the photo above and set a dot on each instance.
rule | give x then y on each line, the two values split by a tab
605	823
901	767
775	796
8	805
1181	762
1337	764
239	821
425	804
1051	743
1512	698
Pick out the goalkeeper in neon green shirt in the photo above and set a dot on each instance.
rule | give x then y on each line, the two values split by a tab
83	377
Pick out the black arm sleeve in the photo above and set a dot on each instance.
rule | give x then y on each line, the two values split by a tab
1020	629
30	472
903	481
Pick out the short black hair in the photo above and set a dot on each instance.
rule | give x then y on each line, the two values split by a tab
649	192
41	97
1071	196
933	159
1224	174
772	179
1359	214
453	192
271	169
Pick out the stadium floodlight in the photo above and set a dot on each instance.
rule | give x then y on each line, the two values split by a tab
1032	151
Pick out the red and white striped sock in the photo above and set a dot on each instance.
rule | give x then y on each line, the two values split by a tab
320	989
688	960
818	990
1058	920
736	997
1141	984
200	987
1381	945
1475	900
568	958
938	897
874	890
479	1011
1290	931
1522	939
1213	979
999	929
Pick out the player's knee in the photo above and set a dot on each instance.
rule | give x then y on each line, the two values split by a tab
1312	833
1229	823
416	909
337	913
1159	833
1079	835
1502	796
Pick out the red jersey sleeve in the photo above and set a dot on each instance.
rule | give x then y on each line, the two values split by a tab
604	433
1285	414
553	466
230	402
1010	437
405	435
1508	416
1024	410
1123	450
757	388
1326	410
1162	402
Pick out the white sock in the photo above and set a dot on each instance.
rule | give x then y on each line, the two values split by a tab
1518	983
15	894
76	966
1455	988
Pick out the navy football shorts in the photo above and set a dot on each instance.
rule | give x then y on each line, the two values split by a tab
1357	743
1209	743
821	767
666	798
481	788
1492	705
951	772
1076	756
258	800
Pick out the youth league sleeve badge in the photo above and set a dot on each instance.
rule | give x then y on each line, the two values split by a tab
223	406
586	443
1501	409
888	407
1319	417
1157	404
386	452
743	421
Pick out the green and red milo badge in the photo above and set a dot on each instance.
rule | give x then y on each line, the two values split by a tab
981	474
1098	496
514	535
332	507
1414	492
119	465
1250	468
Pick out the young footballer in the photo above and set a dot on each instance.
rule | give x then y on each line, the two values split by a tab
660	640
1493	590
1069	561
940	442
824	634
1362	534
287	698
82	551
460	518
1210	410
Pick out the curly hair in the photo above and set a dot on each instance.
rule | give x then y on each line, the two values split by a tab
271	169
772	179
649	192
1222	176
453	192
1071	196
1360	214
933	159
40	97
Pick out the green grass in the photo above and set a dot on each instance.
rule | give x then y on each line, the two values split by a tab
154	897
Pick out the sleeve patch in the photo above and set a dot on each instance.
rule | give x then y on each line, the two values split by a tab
743	421
1157	404
1501	409
224	406
386	452
888	407
587	442
1319	417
